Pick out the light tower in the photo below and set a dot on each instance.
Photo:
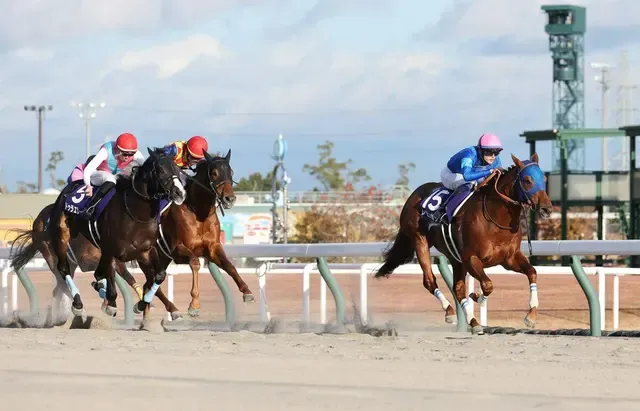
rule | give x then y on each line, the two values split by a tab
88	113
566	27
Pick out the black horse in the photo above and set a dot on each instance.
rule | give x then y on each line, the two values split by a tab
125	225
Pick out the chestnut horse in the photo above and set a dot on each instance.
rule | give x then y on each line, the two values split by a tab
484	231
192	229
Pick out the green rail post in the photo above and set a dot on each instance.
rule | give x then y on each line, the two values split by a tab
446	274
126	296
30	289
590	292
229	305
334	287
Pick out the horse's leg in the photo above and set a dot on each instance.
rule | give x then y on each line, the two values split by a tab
460	287
106	268
171	308
219	258
194	306
429	280
155	273
61	238
121	269
520	263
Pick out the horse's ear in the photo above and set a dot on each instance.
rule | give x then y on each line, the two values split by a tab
228	156
208	157
516	161
534	157
152	153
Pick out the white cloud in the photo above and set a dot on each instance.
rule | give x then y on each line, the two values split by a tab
170	58
33	54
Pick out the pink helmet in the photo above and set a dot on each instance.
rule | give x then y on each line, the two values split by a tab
489	141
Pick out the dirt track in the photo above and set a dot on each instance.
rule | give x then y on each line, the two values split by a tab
114	369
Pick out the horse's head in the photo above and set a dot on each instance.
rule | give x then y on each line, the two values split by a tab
220	177
164	176
530	185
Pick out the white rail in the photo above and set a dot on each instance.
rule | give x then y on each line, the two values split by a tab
363	270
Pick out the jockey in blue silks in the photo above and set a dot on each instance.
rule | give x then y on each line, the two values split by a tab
470	166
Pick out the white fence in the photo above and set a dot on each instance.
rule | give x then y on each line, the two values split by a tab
540	248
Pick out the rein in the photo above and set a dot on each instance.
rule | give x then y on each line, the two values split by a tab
156	196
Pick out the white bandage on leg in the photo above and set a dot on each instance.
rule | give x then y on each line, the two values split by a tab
533	298
468	310
443	300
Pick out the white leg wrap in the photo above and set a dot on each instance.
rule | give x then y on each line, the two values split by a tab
482	300
148	297
443	300
533	298
72	285
468	310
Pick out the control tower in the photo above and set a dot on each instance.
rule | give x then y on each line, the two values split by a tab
566	27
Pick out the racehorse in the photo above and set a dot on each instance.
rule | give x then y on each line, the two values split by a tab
192	229
483	230
124	227
81	253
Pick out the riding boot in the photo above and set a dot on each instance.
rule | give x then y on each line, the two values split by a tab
101	192
442	211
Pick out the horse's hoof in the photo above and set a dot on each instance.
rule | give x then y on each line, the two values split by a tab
111	311
248	298
138	307
477	330
450	319
176	316
77	311
529	322
194	312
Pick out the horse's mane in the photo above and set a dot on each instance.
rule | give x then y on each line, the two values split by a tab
143	172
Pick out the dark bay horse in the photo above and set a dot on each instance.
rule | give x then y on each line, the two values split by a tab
82	253
485	231
126	228
192	229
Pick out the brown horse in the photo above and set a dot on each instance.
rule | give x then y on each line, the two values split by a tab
192	229
483	231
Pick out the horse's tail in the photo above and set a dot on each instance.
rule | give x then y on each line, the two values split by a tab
401	252
27	249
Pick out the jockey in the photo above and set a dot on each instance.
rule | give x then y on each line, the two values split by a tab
109	161
472	165
187	153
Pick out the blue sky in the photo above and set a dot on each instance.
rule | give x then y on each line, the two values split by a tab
388	81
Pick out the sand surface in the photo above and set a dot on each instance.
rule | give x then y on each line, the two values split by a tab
61	369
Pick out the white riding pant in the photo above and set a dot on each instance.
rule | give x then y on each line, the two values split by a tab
100	177
453	180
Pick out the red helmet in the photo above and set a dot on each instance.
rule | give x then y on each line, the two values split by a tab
197	146
127	142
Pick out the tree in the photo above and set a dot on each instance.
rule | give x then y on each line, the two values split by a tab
404	170
257	182
342	222
25	187
334	174
54	159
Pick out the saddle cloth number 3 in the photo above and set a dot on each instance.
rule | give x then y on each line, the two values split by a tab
435	200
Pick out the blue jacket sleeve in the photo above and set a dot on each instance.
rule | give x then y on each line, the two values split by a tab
469	173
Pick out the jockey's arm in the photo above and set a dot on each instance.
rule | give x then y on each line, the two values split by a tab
138	158
469	173
92	166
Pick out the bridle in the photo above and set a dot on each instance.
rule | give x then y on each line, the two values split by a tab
522	204
214	187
